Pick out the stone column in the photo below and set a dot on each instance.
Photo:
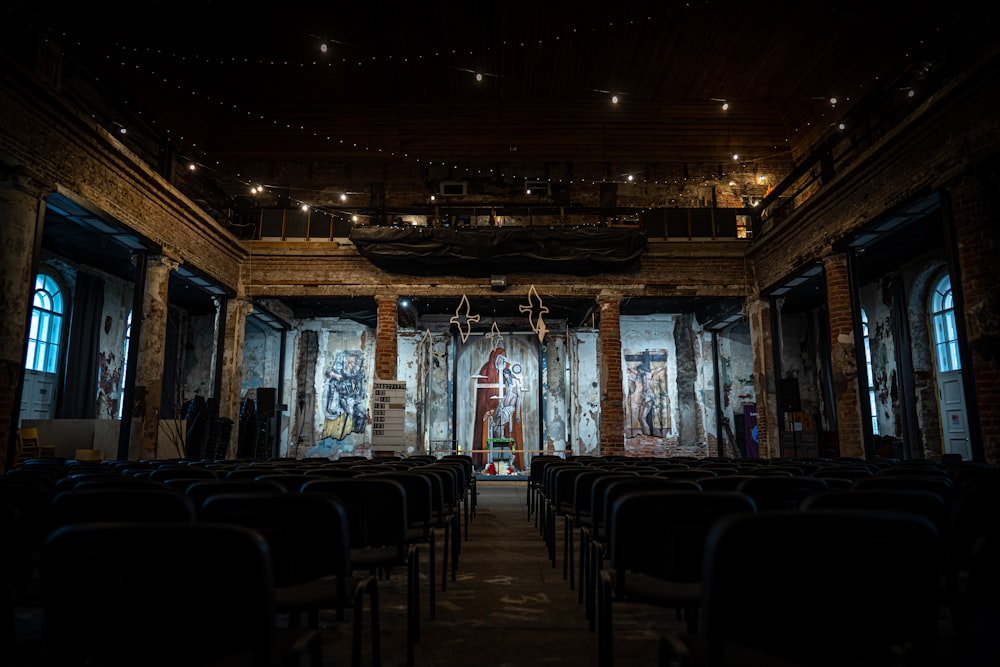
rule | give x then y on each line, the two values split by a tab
974	209
609	356
765	396
386	343
843	356
21	212
231	368
148	389
555	392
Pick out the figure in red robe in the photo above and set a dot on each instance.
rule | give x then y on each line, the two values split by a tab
488	388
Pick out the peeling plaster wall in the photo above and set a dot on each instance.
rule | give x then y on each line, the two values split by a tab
885	377
117	306
800	359
261	358
197	358
736	378
556	399
584	429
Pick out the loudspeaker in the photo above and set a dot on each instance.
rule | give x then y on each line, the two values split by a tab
789	390
267	397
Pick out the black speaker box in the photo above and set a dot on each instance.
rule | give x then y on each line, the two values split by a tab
267	398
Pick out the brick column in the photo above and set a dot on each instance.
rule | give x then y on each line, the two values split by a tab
386	343
762	346
843	357
151	350
974	207
609	358
231	370
21	212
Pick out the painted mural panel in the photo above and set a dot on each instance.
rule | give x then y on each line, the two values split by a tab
339	374
497	408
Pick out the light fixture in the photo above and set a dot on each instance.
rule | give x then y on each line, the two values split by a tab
736	156
343	197
192	166
305	207
323	47
614	99
498	282
479	76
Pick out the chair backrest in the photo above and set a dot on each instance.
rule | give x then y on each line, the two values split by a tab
419	495
308	534
781	493
166	472
924	503
161	605
122	503
815	590
611	490
661	533
376	509
938	484
198	491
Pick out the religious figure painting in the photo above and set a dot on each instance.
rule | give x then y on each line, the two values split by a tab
647	406
498	417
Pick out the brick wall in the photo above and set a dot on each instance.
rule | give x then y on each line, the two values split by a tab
385	339
609	356
974	207
843	359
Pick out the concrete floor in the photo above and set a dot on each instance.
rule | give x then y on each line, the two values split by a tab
508	605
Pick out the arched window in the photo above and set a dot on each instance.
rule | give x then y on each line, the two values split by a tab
121	389
943	324
45	331
871	375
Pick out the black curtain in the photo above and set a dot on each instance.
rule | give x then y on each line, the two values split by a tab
83	367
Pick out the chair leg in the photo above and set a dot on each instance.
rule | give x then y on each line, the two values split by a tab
432	575
604	634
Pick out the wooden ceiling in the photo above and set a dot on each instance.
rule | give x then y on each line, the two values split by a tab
398	82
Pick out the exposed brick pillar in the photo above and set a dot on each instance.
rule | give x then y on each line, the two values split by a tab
843	358
609	356
149	371
386	344
21	211
762	345
231	371
974	209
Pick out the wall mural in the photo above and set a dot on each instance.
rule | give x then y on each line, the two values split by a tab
501	420
647	405
344	406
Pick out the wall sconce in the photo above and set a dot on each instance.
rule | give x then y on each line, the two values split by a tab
498	282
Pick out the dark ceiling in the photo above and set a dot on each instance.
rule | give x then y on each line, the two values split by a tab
231	84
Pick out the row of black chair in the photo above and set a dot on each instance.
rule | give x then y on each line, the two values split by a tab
384	512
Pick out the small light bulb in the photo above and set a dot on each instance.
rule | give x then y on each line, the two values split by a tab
324	48
833	101
736	156
479	77
725	106
305	207
192	166
614	99
343	197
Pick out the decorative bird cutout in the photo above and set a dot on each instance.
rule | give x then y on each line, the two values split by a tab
535	310
496	338
464	320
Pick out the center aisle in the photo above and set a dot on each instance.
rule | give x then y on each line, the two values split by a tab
508	605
